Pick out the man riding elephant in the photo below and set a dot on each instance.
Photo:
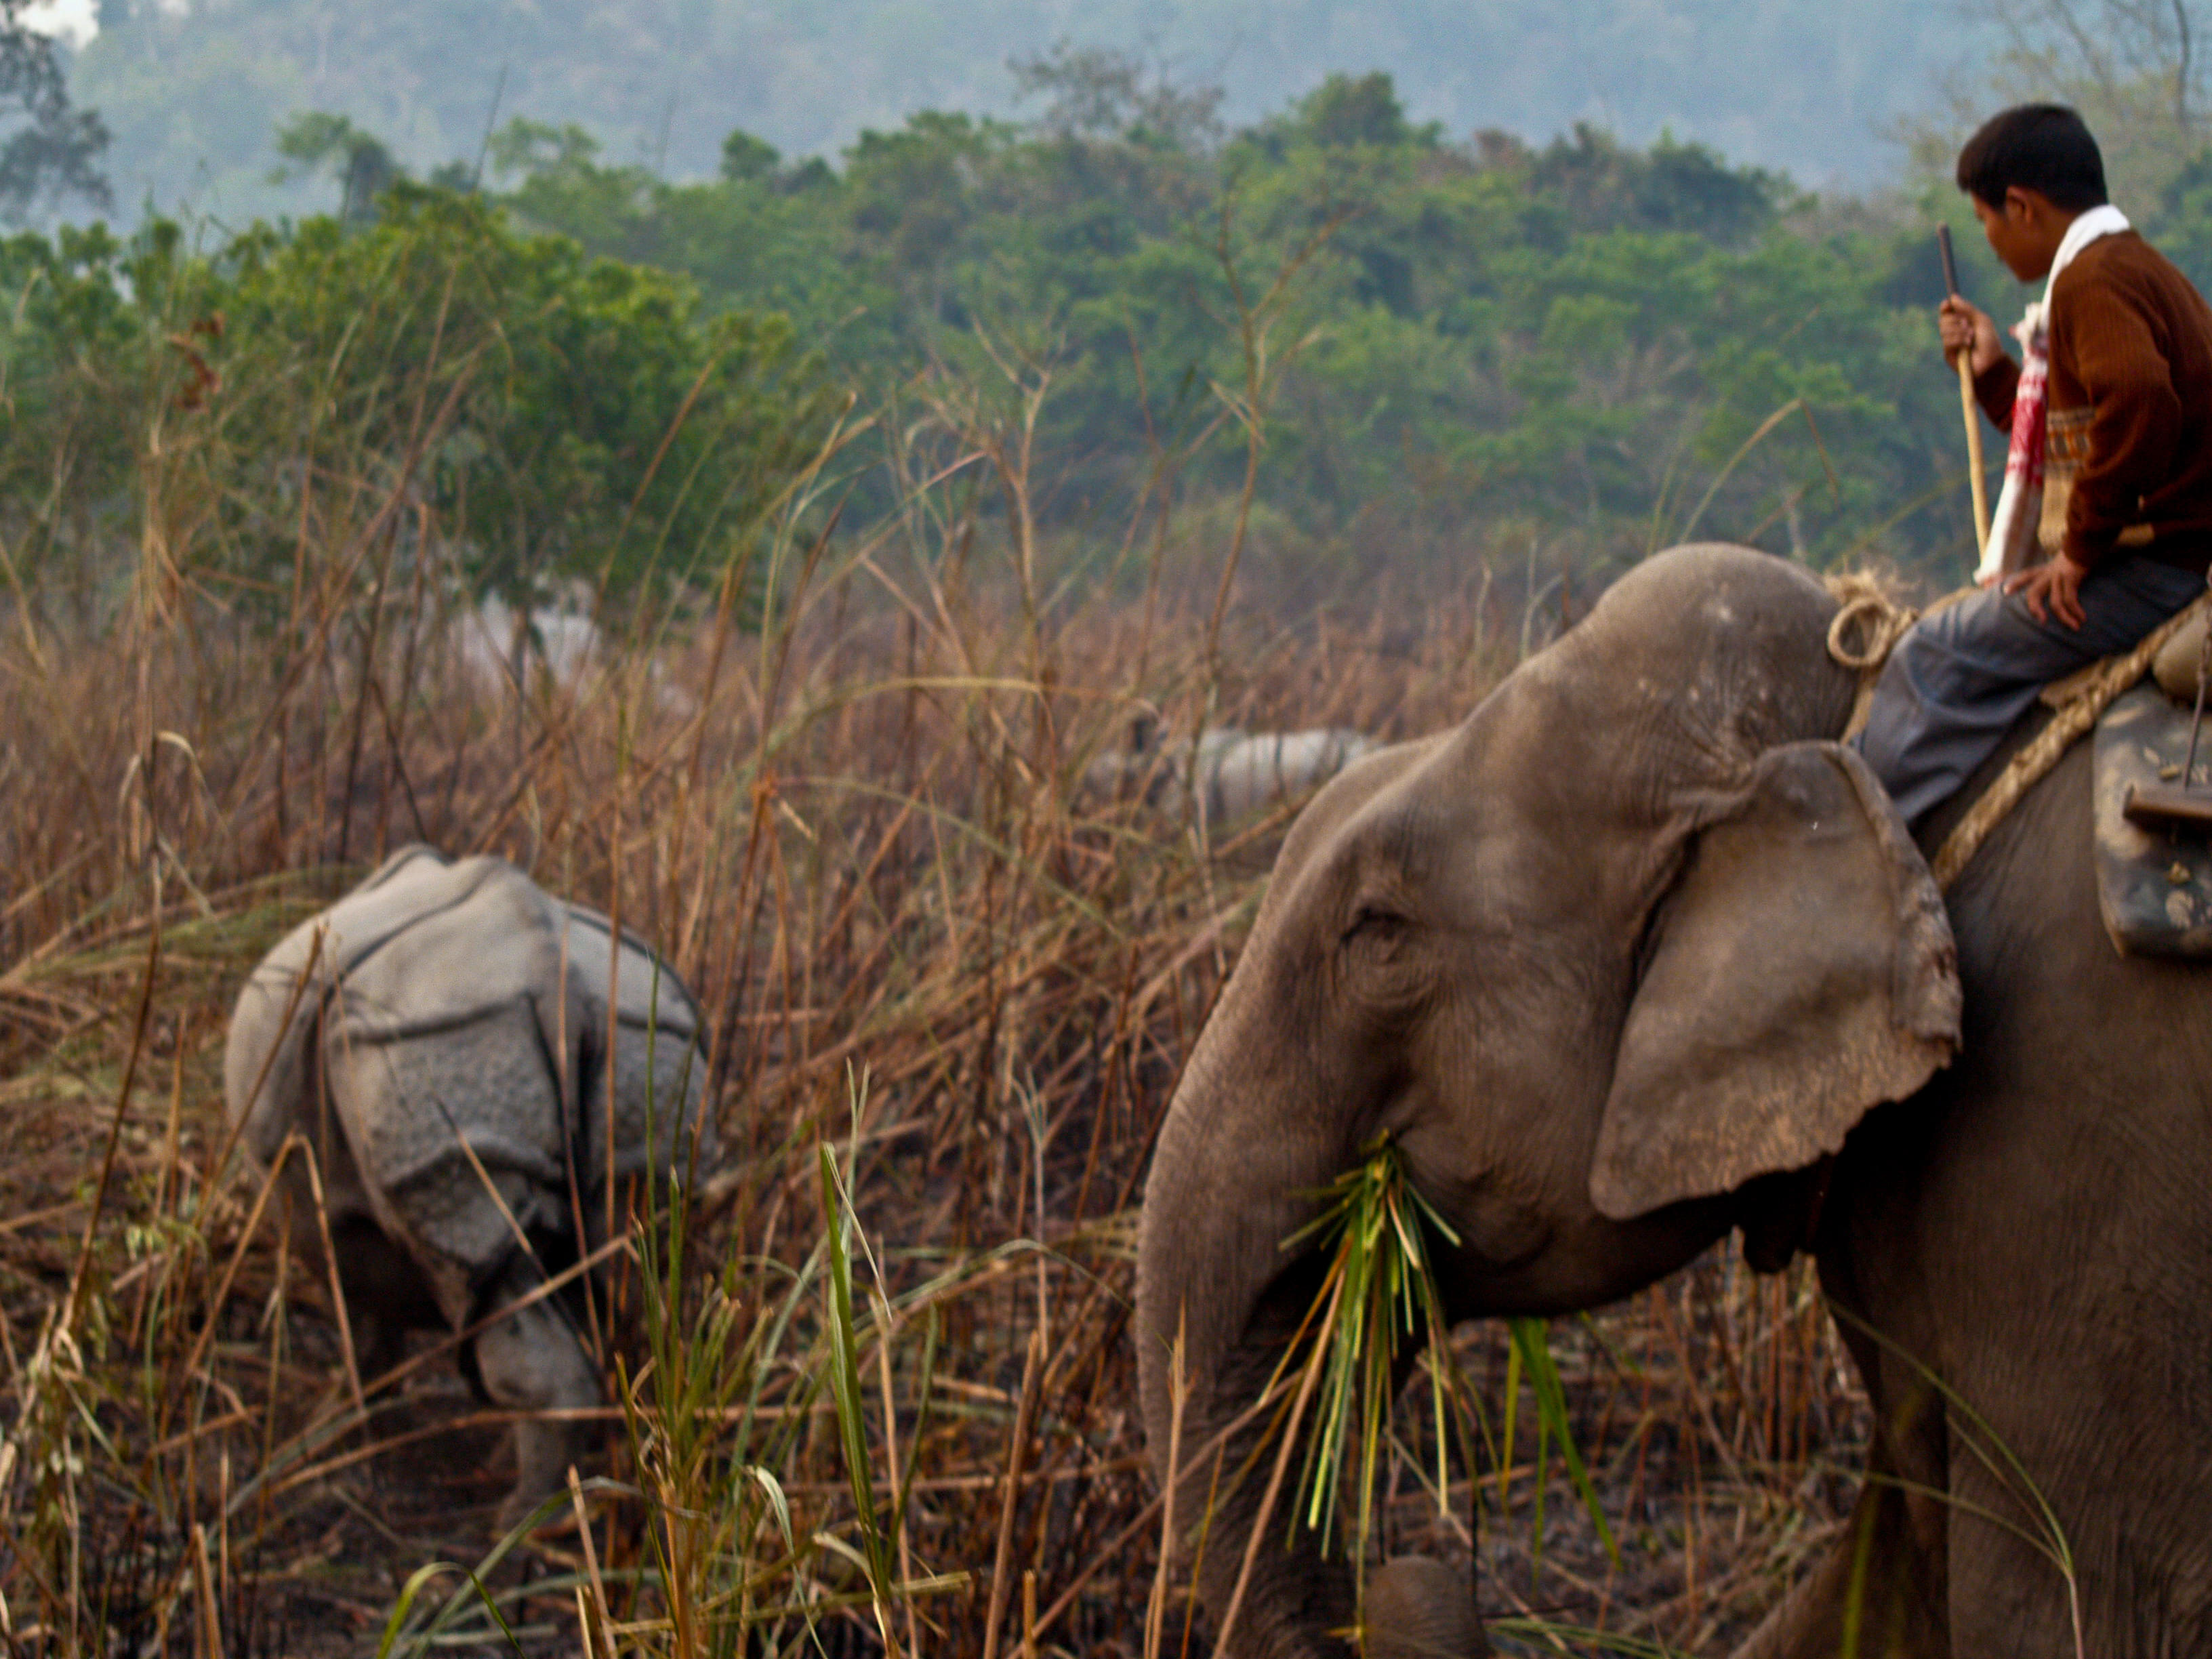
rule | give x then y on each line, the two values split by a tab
2104	528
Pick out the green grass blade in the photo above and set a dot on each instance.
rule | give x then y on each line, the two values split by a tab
1531	1338
845	1379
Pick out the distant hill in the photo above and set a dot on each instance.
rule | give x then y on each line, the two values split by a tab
192	89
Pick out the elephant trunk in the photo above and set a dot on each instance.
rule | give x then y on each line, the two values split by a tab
1214	1284
1236	1174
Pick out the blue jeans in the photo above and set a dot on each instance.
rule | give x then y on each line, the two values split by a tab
1957	681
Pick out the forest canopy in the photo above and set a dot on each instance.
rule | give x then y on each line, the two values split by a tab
1423	348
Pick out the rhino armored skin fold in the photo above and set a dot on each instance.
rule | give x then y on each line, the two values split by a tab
440	1036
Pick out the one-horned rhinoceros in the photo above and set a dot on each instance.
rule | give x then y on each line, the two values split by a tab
1237	773
439	1038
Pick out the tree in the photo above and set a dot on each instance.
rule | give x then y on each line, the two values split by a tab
51	151
745	156
534	148
1573	339
2134	68
1673	186
1099	93
600	428
1346	110
362	163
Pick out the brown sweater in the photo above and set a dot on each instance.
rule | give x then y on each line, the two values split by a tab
2127	456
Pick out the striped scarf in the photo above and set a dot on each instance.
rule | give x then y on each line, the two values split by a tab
2011	544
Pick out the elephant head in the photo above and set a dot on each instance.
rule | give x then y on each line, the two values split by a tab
1636	935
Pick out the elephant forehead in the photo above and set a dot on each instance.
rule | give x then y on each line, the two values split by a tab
1728	642
1471	842
1525	862
1680	600
1606	729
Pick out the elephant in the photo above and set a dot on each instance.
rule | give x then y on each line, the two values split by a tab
441	1039
1640	953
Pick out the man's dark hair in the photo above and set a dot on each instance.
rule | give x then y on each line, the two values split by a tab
2041	146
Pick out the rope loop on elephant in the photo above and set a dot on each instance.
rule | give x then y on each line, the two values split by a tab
1878	622
1865	630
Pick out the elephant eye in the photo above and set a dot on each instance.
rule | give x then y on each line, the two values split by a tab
1374	921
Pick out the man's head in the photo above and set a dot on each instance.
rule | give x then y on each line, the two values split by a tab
2030	172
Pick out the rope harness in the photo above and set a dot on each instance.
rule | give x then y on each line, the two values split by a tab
1879	624
1867	628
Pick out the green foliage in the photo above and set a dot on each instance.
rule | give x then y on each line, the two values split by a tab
1568	344
1531	1357
845	1385
567	416
531	147
2182	222
1381	1299
1346	112
1094	93
1567	354
745	158
73	360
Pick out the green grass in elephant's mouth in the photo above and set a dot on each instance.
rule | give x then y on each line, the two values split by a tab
1379	1296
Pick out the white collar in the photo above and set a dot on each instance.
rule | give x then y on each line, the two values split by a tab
2106	220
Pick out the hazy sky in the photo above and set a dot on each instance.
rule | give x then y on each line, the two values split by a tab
71	20
192	89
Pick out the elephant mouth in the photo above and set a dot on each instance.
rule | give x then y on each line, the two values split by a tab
1496	1227
1502	1232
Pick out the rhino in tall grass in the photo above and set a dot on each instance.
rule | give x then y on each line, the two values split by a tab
1237	773
440	1040
501	647
502	650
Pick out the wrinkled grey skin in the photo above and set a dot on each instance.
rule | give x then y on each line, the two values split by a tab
1613	958
442	1010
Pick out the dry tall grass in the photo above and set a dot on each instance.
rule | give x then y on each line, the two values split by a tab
878	1394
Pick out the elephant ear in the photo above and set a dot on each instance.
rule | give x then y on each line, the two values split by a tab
1801	971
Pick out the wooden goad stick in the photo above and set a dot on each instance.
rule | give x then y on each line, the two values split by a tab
1966	405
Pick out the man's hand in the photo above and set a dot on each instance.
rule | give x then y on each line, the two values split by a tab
1967	327
2053	588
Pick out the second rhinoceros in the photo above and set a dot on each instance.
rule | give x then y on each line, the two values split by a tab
1236	773
441	1038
